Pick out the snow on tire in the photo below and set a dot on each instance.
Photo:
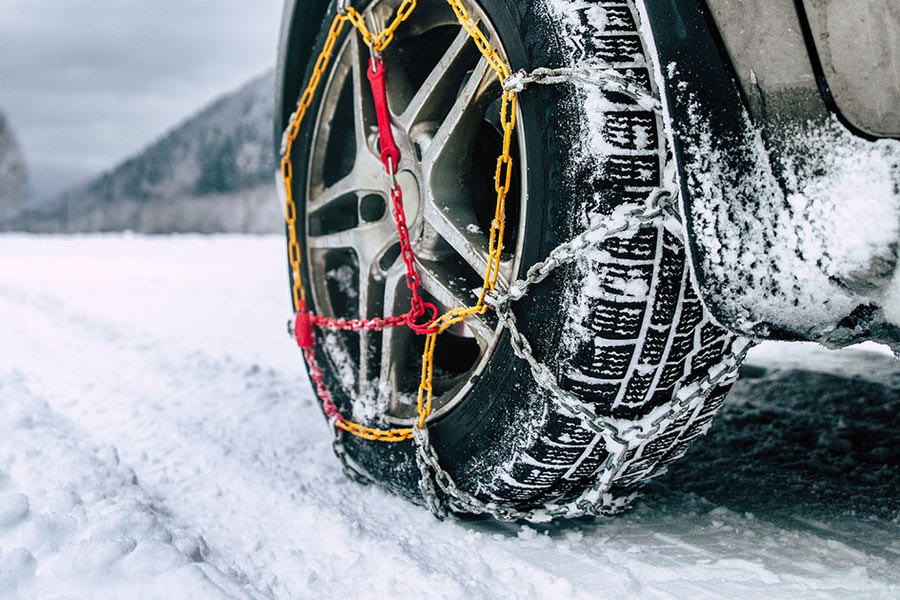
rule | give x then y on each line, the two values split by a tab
621	328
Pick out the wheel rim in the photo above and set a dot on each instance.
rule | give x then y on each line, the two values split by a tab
444	102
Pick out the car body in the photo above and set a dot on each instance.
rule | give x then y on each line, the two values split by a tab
797	102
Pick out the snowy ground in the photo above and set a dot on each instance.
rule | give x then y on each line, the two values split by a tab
158	440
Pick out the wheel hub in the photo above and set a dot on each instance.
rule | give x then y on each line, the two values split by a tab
441	94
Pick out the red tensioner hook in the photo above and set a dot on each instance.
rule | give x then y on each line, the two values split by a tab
390	153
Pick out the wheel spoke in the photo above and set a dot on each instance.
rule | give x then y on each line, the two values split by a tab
354	183
370	241
456	124
370	305
363	111
391	338
440	84
370	295
386	367
456	228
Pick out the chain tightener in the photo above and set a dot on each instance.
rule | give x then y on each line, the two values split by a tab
439	491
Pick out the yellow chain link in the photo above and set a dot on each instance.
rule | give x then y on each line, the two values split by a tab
502	182
293	130
382	40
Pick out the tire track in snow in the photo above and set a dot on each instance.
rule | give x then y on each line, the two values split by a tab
82	525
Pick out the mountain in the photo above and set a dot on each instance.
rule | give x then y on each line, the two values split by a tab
13	173
213	173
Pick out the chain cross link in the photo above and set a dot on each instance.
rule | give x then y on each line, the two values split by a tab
604	77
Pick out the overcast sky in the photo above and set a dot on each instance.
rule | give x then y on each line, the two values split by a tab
86	83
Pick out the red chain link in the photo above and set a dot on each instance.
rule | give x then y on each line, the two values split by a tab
315	373
376	324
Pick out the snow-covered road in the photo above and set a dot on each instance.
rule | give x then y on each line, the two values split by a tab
158	439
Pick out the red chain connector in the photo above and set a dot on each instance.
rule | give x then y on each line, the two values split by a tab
426	328
303	329
389	149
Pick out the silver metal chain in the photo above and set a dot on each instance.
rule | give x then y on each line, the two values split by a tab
619	437
602	76
660	201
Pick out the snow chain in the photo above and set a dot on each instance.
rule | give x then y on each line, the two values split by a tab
439	491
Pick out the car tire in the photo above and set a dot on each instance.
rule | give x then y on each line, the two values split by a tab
622	328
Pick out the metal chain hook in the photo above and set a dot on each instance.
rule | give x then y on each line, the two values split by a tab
391	171
374	54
